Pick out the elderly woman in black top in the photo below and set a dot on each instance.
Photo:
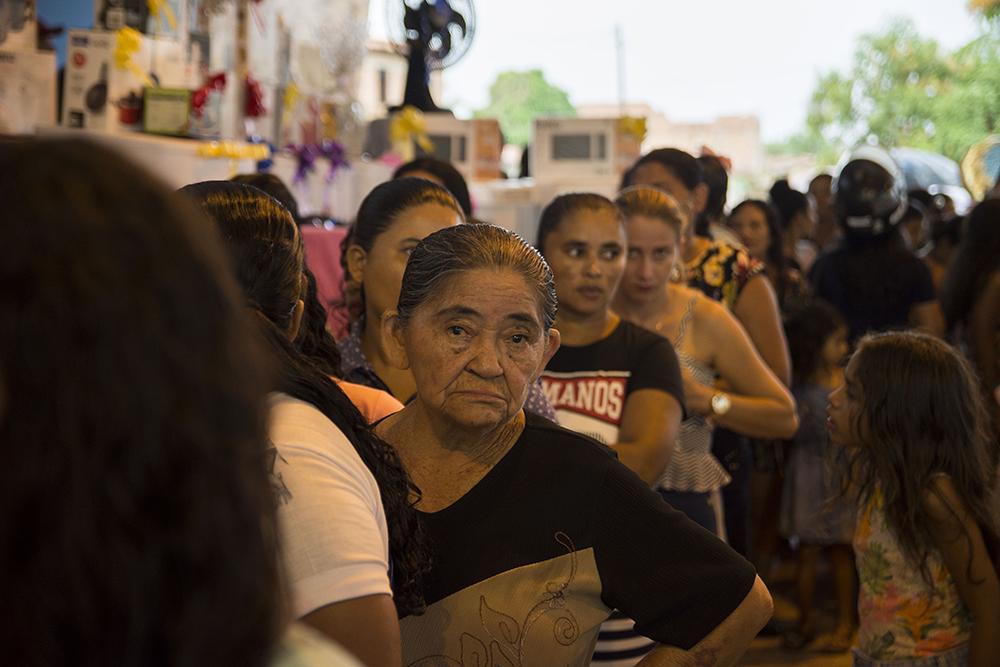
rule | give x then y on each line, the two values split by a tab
538	532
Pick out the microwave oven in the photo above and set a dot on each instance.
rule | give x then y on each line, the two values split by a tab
582	150
472	146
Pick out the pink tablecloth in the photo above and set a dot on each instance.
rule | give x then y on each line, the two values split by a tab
323	257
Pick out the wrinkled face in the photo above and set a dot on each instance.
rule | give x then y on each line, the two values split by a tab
652	255
381	269
835	348
750	224
586	252
476	346
844	406
656	175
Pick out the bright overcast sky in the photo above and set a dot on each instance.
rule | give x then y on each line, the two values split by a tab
691	59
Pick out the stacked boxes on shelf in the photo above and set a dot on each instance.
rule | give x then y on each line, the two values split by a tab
27	80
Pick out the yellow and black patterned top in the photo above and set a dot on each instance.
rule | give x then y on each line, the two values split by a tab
721	271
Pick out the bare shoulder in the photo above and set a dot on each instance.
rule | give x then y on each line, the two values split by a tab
703	309
711	312
714	324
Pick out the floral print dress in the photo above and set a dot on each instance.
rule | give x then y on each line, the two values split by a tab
721	271
901	616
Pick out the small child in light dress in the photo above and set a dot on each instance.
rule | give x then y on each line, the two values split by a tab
923	466
814	513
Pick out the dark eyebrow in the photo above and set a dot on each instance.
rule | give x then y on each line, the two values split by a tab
410	239
524	318
611	244
453	311
459	311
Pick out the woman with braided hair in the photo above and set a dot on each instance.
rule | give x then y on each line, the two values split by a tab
351	541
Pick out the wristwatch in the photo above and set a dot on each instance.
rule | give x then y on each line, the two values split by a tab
721	404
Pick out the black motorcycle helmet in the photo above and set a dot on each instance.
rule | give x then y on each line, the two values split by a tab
869	193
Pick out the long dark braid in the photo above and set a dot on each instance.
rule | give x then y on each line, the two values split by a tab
267	256
314	340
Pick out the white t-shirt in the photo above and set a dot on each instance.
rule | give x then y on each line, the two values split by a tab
304	647
334	539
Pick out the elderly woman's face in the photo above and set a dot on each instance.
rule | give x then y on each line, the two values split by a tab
476	346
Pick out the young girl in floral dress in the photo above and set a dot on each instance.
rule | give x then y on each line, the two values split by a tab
923	464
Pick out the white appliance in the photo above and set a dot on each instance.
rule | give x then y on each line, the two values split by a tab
472	145
582	153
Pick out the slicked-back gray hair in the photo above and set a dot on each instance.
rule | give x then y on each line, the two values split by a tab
455	250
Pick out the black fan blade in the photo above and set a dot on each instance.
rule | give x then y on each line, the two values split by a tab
459	20
410	16
445	47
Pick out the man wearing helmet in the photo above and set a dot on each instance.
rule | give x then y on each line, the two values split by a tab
871	277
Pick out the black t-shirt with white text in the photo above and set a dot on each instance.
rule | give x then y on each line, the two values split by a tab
587	384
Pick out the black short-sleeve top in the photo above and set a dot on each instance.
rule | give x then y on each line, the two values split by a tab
870	299
587	385
531	560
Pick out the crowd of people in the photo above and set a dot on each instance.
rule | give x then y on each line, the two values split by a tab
595	446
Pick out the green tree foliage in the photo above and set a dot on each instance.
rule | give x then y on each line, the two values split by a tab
971	110
905	90
989	9
517	98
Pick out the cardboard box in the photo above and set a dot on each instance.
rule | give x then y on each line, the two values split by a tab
488	146
93	86
472	146
27	91
87	83
166	111
20	31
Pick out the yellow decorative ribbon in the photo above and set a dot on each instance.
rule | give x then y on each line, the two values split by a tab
234	150
328	122
633	126
156	7
408	125
292	96
128	41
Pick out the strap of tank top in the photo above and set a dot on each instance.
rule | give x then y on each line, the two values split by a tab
682	329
